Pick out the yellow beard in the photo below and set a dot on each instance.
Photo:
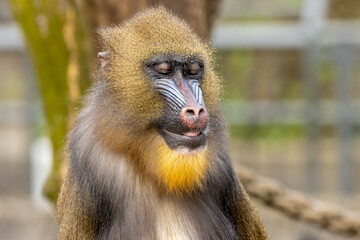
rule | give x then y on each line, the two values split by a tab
176	171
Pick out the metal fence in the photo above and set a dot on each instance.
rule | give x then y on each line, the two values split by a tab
317	34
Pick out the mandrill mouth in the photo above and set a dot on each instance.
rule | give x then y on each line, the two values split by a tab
190	141
192	134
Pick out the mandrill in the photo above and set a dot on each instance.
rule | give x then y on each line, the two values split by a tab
148	156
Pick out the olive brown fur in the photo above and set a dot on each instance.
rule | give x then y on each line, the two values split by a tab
148	157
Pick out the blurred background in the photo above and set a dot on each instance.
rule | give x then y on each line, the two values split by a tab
291	97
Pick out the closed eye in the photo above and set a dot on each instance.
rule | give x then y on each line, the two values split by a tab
193	69
163	68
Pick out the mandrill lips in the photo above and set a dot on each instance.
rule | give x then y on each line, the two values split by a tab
192	134
189	140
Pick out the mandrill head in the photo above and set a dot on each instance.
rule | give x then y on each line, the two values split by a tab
161	98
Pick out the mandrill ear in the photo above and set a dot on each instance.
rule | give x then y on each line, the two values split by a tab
103	58
109	37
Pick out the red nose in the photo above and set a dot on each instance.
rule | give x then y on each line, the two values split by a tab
194	117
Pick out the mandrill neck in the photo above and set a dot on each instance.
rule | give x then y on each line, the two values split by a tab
176	172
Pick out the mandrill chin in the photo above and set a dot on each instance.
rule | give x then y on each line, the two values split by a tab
148	156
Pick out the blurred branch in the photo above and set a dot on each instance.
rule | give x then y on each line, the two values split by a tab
299	206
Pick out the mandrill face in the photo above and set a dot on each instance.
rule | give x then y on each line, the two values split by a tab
160	85
177	79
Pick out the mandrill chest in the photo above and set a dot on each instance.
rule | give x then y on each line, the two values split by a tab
140	212
194	221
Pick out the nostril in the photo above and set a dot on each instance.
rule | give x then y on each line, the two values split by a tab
190	111
201	111
190	114
202	115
